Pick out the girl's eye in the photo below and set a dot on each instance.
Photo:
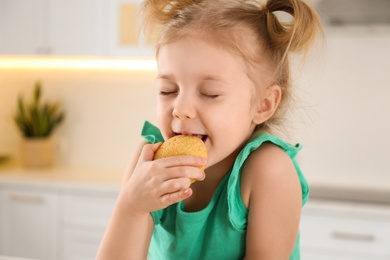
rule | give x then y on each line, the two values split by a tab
210	96
167	93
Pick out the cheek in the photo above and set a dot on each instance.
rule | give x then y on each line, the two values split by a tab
235	112
241	111
162	115
159	113
163	107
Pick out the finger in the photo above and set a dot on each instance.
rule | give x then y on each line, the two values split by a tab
148	152
189	172
175	197
183	160
174	185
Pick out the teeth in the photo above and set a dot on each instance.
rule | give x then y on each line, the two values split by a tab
203	137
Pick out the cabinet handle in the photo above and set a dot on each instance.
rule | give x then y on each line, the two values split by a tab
353	236
25	198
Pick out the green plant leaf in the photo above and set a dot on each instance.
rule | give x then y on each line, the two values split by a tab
37	92
36	119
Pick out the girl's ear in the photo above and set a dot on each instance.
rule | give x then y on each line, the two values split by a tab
268	104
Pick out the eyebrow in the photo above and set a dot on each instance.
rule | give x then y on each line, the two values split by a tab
213	78
165	76
207	77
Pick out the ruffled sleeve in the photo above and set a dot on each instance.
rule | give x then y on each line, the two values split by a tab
151	133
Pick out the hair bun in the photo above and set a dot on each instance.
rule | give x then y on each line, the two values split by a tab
298	35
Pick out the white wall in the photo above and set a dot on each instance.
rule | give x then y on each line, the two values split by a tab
346	137
342	121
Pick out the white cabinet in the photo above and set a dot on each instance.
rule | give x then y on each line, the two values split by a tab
117	25
21	26
75	27
83	221
51	27
345	230
53	222
28	223
71	28
80	244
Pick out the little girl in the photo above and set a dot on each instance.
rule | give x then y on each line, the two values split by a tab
223	74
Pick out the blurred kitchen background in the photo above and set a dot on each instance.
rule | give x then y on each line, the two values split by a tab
86	55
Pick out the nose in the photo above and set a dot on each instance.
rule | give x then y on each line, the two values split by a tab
184	108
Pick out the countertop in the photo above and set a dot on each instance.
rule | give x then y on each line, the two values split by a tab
3	257
357	188
82	179
60	178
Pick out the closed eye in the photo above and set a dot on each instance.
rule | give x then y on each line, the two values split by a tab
210	96
167	93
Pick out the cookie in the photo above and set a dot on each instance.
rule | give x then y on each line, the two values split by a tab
182	145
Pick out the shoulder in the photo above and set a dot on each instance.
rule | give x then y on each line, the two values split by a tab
268	169
271	191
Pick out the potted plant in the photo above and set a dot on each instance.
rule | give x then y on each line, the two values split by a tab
36	121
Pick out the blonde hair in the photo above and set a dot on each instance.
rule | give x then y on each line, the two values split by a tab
236	25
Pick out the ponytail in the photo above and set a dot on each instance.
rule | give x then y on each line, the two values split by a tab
296	36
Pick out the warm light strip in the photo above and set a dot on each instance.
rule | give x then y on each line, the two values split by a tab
77	63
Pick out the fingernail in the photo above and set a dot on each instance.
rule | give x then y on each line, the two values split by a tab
204	160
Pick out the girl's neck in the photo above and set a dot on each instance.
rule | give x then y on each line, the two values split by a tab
203	191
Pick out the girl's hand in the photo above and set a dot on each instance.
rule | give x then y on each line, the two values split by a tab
154	185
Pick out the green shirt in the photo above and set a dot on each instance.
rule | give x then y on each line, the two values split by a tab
219	230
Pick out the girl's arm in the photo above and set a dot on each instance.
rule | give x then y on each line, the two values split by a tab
147	186
127	235
271	190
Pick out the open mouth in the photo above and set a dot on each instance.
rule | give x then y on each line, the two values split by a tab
202	137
